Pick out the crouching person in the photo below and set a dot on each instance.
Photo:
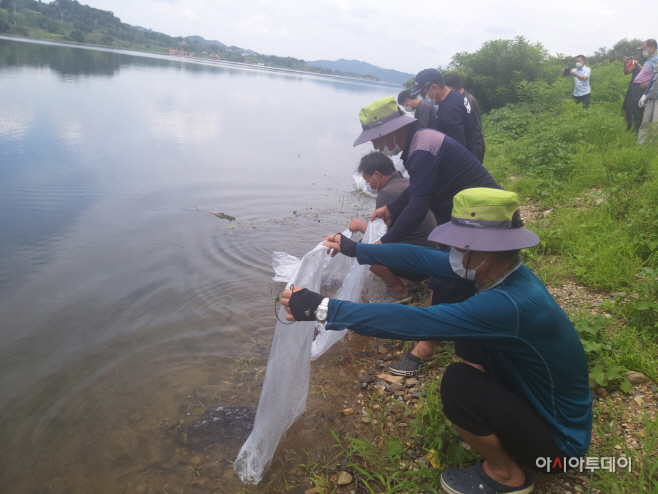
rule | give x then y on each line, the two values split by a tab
522	391
387	184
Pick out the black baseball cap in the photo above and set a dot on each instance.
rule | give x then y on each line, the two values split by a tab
424	79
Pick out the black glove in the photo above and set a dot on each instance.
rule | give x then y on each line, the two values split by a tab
304	303
347	246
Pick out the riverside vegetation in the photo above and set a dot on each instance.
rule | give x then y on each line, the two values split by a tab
591	194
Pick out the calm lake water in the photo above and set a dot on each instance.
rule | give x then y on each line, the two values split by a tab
126	307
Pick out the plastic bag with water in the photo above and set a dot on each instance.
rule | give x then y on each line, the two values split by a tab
285	388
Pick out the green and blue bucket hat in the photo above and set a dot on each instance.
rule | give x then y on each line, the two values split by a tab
485	220
380	118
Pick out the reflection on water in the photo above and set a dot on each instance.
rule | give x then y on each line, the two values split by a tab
125	305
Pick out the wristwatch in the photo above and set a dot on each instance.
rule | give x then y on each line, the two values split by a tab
322	311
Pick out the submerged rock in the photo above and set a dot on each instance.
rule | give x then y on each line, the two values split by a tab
223	424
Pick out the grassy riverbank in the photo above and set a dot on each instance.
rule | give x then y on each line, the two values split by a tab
591	194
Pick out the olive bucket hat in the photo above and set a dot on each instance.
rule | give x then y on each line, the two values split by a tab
485	220
381	117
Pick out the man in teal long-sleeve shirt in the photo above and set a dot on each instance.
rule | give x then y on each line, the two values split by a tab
523	391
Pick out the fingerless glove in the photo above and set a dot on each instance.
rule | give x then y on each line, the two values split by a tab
304	303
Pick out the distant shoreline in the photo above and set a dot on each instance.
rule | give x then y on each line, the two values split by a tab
166	56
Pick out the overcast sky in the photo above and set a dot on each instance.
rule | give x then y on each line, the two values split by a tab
404	35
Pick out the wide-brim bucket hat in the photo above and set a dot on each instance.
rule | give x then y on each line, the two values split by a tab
485	220
381	117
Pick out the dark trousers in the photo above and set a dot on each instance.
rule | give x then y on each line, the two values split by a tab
584	99
634	114
480	405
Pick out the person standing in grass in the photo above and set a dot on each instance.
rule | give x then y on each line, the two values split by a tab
631	67
521	393
641	81
581	90
649	100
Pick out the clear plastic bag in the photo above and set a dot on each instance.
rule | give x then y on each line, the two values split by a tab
285	388
350	290
284	266
334	269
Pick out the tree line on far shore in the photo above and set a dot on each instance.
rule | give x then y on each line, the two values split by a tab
69	20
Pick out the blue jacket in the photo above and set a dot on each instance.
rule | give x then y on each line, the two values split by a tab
526	340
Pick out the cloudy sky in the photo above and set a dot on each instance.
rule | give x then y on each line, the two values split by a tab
404	35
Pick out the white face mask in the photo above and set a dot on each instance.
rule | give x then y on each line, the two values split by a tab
408	109
426	99
579	65
374	191
645	53
457	264
388	152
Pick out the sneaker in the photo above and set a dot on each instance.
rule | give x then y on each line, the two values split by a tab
473	480
407	366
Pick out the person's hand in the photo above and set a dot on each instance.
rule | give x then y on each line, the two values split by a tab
379	241
572	72
382	213
643	101
644	85
332	242
285	301
357	225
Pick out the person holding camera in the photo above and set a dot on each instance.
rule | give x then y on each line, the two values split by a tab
580	74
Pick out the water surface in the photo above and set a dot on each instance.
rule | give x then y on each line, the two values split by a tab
125	304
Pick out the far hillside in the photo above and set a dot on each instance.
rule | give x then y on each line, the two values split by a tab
364	68
71	21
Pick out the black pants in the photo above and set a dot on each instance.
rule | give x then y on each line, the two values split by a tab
634	114
584	99
480	405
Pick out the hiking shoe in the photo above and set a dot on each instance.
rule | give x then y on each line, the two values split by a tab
473	480
409	365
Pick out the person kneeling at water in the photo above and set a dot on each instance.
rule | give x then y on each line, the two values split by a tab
522	392
387	184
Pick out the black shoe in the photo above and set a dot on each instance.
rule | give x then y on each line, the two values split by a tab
473	480
409	365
